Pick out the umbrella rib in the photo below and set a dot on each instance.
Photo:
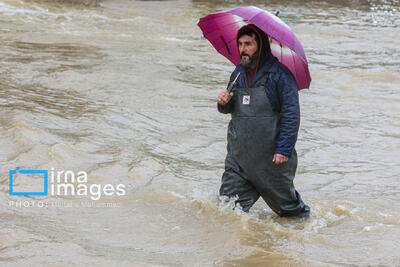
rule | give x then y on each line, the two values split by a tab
227	44
236	21
295	69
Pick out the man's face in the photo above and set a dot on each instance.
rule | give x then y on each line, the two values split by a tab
248	50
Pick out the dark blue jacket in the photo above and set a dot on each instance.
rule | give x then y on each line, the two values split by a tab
281	89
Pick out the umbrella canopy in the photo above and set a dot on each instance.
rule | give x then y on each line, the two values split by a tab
221	28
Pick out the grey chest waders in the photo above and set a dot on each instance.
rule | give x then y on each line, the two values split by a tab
249	170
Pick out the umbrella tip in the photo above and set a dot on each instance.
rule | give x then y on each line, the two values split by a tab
277	13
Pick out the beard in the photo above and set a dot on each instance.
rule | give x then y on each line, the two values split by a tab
250	62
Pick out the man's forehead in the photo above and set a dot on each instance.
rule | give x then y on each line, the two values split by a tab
246	37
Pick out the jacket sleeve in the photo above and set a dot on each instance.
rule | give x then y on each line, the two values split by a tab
228	107
290	114
225	109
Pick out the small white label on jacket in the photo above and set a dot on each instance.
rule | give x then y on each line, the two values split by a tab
246	99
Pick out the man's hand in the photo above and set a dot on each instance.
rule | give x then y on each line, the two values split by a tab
224	97
278	159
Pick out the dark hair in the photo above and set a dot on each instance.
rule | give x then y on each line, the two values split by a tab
250	32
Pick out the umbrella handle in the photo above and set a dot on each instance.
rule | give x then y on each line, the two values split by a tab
231	86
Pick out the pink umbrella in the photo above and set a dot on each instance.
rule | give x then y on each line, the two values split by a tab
221	28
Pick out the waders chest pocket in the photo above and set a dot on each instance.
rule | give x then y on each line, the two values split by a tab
244	106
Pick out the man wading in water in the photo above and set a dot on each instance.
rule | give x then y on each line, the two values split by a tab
261	159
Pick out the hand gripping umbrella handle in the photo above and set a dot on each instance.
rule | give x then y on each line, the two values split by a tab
233	83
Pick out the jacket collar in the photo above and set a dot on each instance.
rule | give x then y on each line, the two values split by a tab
270	66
